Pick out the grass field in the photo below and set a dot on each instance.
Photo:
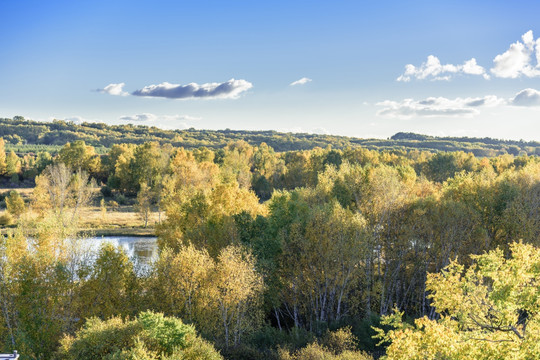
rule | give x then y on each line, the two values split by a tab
117	220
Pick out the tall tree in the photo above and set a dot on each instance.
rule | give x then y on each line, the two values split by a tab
490	310
3	165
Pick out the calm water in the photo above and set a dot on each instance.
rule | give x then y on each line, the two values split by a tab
144	249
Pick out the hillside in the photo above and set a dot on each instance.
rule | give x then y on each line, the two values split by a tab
23	136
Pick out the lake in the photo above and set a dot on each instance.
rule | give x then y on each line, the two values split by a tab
144	249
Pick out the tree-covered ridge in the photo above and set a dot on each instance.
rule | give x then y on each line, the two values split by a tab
31	136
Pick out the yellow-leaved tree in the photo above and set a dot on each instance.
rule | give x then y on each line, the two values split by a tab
491	310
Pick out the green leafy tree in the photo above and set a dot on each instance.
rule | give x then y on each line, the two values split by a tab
144	203
15	204
13	164
490	310
78	155
107	284
3	165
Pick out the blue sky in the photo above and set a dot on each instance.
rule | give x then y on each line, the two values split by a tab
68	60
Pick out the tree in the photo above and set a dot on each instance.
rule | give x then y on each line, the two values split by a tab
490	310
236	294
106	284
78	155
13	164
3	165
144	202
15	204
181	282
61	194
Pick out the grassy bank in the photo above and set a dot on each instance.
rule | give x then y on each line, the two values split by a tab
94	220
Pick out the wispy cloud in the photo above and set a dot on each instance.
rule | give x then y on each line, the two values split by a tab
437	107
147	117
526	97
518	59
301	81
432	69
139	117
182	117
114	89
226	90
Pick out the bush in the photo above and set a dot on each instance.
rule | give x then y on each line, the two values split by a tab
6	220
340	340
106	191
112	204
121	199
315	351
151	336
14	179
335	345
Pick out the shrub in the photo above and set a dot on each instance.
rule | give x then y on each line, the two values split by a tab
106	191
149	336
6	220
112	204
121	199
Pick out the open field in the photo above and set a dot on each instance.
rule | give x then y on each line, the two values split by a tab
115	220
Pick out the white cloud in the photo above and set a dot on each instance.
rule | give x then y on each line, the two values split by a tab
437	107
181	118
139	117
146	117
76	119
433	69
526	97
301	81
518	59
114	89
227	90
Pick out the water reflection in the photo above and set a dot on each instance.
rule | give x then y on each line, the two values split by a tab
142	249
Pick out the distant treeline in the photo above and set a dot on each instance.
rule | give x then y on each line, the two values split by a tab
24	136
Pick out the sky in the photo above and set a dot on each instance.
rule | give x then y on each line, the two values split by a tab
366	69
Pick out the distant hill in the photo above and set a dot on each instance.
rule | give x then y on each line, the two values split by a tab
23	135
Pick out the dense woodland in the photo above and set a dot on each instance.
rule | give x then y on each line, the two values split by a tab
24	136
267	254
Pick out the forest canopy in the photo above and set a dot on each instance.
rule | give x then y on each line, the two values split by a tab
266	254
23	135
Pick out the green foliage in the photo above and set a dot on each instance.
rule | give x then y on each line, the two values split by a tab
259	249
78	155
149	336
48	136
3	165
337	345
15	204
107	284
489	310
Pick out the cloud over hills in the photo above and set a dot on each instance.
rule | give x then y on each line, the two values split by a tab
458	107
437	107
526	97
139	117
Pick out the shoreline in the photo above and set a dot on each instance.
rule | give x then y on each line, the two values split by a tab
89	232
